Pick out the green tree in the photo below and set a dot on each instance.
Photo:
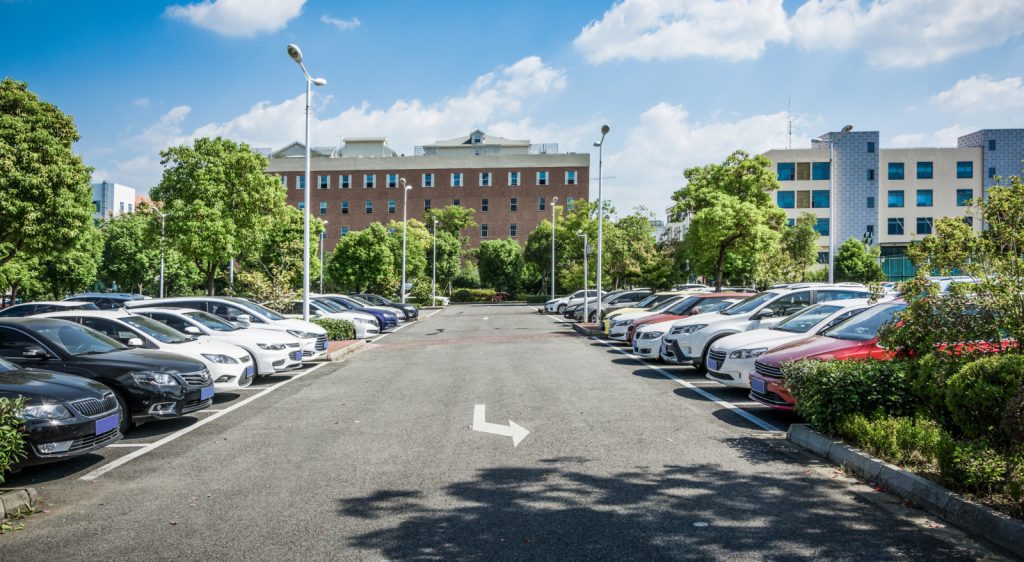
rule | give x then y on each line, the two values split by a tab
45	194
501	264
733	221
275	252
417	242
362	261
799	248
448	260
74	269
856	262
131	252
630	250
220	201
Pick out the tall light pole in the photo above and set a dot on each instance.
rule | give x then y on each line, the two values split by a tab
323	241
296	54
163	216
405	206
433	276
585	301
554	200
600	213
832	201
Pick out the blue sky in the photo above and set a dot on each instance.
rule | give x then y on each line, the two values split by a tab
681	83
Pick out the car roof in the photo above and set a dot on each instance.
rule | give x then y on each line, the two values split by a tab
113	314
35	322
131	296
723	294
66	303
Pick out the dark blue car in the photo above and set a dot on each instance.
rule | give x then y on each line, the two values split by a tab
386	318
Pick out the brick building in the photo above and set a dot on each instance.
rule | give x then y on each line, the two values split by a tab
509	183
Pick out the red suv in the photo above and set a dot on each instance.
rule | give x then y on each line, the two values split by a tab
695	304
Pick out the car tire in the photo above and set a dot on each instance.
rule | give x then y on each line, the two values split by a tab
702	368
125	423
561	309
255	368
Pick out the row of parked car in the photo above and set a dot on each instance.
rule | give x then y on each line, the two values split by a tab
93	365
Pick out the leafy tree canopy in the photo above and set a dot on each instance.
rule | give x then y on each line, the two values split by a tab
363	261
855	262
501	264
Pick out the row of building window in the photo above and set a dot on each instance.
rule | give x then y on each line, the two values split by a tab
789	171
457	179
819	199
513	231
926	198
926	170
513	205
821	227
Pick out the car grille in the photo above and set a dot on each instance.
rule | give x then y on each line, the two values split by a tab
717	356
92	441
197	378
90	407
193	405
307	353
293	345
321	342
279	363
767	370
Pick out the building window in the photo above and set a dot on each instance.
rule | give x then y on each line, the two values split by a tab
301	182
895	170
871	146
426	204
823	257
924	170
803	199
392	180
871	202
344	207
369	181
513	204
786	171
344	230
485	179
302	205
483	205
924	225
785	199
992	144
821	171
871	174
392	206
323	207
428	180
284	181
346	181
895	198
122	206
369	207
991	173
896	227
323	182
542	178
570	177
512	230
925	198
965	170
803	171
568	203
483	231
456	179
540	204
821	227
870	229
964	197
513	179
969	221
819	199
456	203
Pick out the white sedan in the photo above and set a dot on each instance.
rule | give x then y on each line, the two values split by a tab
272	351
731	359
365	324
648	338
619	326
229	365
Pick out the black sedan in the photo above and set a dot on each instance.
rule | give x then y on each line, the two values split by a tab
64	416
148	384
411	312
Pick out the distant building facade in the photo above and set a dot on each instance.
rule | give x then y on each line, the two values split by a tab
509	183
111	199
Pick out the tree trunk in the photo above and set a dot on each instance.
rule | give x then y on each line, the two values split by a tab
211	273
719	266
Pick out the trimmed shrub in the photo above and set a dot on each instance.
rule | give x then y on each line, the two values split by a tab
473	295
827	392
336	329
12	441
533	299
911	442
980	392
974	467
1013	422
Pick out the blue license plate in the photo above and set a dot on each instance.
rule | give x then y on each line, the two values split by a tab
249	372
206	393
298	356
758	386
106	424
714	364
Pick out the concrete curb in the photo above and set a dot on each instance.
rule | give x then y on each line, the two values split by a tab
13	500
581	330
972	517
346	351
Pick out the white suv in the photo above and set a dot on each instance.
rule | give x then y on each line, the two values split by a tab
690	339
558	305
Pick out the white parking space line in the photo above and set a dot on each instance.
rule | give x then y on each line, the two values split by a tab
704	393
156	445
129	445
207	411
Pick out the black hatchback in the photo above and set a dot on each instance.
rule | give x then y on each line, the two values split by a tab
64	416
148	384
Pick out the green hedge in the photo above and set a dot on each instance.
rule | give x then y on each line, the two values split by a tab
979	394
12	441
336	329
473	295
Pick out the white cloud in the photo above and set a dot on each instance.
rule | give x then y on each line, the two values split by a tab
908	33
946	137
340	23
982	93
141	102
646	30
239	18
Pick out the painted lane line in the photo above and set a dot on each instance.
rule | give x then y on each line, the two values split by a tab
156	445
207	411
115	445
709	396
384	335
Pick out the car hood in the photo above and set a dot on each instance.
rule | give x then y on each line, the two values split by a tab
813	346
352	315
703	318
40	384
206	345
381	309
755	339
637	314
261	335
662	326
302	325
655	318
140	360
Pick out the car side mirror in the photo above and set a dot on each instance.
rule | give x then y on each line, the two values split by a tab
764	313
135	342
243	320
193	330
35	352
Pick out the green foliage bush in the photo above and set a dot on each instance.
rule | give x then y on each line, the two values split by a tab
12	441
911	442
980	392
829	391
533	299
468	278
473	295
1013	421
336	329
975	467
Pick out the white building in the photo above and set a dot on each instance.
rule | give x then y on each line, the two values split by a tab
112	199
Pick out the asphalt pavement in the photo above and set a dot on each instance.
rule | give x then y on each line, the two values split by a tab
376	457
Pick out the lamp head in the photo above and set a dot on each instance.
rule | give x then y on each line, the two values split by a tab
604	129
319	82
295	52
847	129
554	200
402	181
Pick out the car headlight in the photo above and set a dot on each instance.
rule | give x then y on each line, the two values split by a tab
271	346
217	358
747	353
303	335
651	335
155	378
690	329
43	412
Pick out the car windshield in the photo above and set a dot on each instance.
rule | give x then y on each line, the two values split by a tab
160	332
865	326
210	321
803	321
259	308
7	366
647	301
750	304
668	303
683	306
658	300
78	340
361	300
329	305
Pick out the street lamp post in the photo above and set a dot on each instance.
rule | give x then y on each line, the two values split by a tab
405	207
323	241
600	213
163	216
832	201
296	54
433	276
554	200
586	307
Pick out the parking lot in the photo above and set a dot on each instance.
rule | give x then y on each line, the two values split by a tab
377	457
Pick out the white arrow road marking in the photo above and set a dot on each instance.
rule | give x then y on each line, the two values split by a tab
513	430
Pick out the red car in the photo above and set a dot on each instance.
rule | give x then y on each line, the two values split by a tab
695	304
854	338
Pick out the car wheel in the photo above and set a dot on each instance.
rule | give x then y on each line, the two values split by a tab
561	309
125	423
255	368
